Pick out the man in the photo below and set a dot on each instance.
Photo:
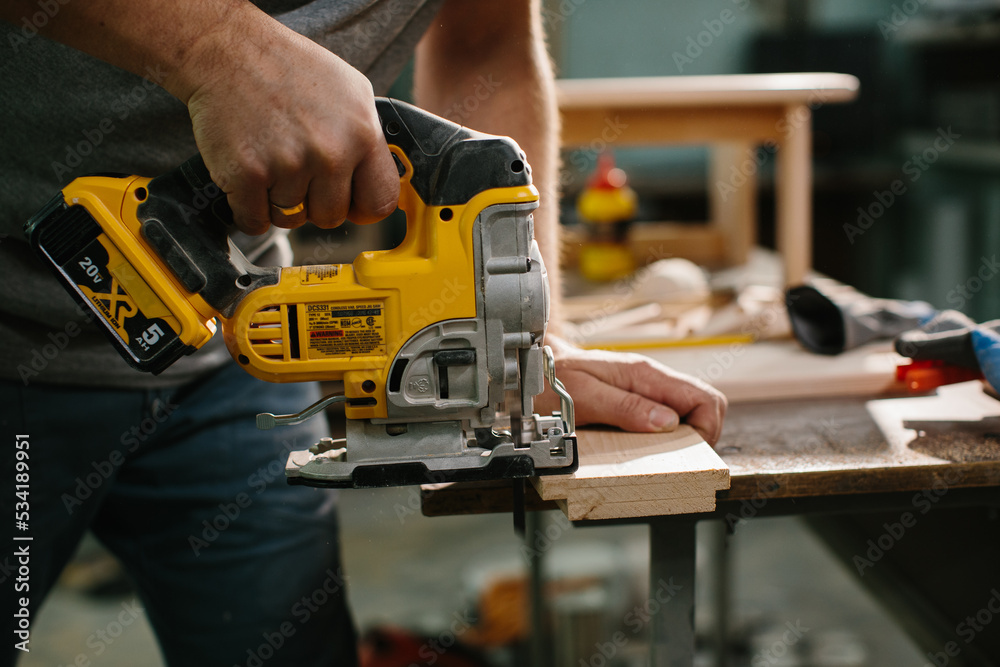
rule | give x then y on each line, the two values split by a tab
232	564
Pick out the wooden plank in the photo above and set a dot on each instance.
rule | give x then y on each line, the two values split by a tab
638	474
613	458
594	509
775	370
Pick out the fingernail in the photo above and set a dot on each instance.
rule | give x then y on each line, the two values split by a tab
662	419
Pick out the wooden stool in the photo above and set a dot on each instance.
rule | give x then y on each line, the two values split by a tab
734	114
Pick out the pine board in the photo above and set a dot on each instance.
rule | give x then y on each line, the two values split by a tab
598	509
624	475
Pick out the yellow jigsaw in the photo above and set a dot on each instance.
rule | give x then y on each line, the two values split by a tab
438	342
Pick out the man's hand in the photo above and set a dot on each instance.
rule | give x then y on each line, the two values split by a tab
504	40
293	125
279	120
632	392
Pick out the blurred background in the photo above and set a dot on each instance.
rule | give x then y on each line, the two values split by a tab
925	66
422	582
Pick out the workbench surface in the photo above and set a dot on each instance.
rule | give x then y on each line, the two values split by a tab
826	447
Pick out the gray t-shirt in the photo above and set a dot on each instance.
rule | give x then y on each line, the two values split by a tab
66	114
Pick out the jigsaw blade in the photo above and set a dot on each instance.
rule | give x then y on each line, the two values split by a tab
512	398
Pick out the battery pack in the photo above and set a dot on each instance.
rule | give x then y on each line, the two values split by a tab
102	281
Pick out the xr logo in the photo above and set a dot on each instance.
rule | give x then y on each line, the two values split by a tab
116	304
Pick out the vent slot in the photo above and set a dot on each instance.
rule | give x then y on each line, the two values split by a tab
73	229
292	314
443	382
396	375
362	402
267	333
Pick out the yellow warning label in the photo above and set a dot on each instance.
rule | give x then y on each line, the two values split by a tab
318	273
345	329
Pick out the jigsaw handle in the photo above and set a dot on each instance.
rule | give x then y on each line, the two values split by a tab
162	246
442	166
450	164
187	219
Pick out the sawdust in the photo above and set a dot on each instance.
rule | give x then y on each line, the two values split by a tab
958	447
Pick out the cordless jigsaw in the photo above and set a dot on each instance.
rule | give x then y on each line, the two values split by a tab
438	342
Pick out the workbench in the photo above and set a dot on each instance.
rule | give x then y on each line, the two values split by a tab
833	456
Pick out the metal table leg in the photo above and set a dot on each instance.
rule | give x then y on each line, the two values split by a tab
538	651
671	589
716	556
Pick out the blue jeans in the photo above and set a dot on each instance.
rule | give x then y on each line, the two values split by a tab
234	566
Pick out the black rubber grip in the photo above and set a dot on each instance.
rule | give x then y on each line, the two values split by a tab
186	219
451	163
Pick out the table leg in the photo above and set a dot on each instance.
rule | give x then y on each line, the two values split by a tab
732	199
718	567
538	650
671	588
794	194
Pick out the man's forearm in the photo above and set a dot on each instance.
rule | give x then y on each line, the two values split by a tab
241	74
484	65
176	37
